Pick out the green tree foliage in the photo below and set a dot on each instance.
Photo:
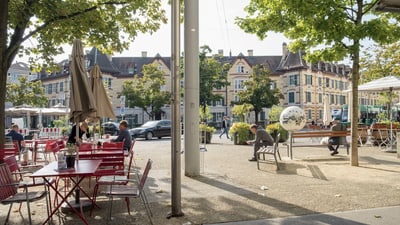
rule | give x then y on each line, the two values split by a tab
380	61
241	111
258	92
107	24
275	113
213	75
147	92
26	92
326	30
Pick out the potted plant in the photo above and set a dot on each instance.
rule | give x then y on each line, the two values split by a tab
70	155
208	130
275	128
240	133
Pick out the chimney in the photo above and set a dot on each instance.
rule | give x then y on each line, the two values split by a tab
144	54
220	52
250	52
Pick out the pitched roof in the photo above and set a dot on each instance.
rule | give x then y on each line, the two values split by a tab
95	56
292	60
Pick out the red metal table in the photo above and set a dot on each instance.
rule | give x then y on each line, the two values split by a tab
83	168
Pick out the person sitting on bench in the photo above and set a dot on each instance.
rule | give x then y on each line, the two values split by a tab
263	138
334	141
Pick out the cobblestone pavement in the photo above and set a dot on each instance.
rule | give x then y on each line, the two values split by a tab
230	188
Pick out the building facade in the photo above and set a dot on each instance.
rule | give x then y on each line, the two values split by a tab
302	84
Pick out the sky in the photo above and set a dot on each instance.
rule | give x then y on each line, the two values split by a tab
216	29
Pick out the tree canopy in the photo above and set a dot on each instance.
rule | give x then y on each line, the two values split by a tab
213	75
26	92
258	92
380	61
325	30
110	25
148	92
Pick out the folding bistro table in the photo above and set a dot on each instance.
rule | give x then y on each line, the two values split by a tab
82	169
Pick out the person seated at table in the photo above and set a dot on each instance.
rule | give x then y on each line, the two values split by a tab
124	135
83	129
16	136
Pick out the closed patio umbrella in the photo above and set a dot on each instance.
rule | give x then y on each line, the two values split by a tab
104	108
82	99
327	117
102	101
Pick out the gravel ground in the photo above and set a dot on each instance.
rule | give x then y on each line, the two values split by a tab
230	188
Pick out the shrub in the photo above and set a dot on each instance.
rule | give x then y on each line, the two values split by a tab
242	132
208	129
276	128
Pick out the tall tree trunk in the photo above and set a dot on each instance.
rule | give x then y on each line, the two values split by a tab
4	65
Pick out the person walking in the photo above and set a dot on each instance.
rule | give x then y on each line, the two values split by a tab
225	127
263	138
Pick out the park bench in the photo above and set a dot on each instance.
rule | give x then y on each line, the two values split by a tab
316	134
269	150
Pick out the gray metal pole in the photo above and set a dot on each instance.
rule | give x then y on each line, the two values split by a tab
175	112
192	118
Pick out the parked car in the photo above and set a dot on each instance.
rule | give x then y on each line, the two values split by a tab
110	128
153	128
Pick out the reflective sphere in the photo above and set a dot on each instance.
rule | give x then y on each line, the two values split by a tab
293	118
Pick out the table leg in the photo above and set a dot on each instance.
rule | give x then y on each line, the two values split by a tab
64	199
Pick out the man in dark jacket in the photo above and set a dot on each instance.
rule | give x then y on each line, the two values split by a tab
16	136
263	138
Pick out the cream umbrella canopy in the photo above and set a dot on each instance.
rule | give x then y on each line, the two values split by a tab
102	101
82	99
327	117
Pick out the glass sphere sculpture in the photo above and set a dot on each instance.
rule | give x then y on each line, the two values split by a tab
292	118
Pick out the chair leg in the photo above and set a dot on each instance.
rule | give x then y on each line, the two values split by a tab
94	198
128	205
110	208
29	208
8	214
147	208
276	162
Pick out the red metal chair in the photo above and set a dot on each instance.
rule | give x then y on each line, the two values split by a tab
131	191
21	172
50	147
115	179
113	145
9	192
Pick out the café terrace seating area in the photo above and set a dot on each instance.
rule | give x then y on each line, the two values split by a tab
74	185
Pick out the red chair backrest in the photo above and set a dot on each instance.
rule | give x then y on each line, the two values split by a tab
85	147
52	146
131	154
145	174
12	163
6	189
113	145
61	143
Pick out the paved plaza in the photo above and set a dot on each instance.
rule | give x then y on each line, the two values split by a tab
313	188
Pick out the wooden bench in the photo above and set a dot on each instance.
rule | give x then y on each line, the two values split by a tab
316	134
269	150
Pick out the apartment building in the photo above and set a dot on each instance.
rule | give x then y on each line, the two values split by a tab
303	84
